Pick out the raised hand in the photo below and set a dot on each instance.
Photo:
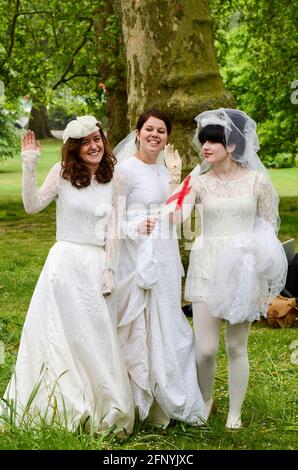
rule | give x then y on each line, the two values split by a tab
173	160
29	142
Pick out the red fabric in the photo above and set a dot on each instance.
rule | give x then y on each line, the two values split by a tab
181	194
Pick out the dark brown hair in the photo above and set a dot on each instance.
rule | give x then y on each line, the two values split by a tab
75	170
157	114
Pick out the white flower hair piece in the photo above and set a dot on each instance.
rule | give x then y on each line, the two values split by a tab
213	121
80	127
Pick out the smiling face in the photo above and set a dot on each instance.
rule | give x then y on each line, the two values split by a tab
92	150
152	137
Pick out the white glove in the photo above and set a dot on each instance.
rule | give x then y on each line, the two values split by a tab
173	163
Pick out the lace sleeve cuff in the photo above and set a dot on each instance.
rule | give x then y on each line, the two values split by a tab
35	199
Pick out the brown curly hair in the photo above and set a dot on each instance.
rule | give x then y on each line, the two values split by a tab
75	170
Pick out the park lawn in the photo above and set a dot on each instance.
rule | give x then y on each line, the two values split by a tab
11	169
270	412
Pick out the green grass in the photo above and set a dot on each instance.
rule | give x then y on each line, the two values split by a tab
11	170
270	412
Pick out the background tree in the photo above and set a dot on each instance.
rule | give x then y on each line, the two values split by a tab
171	63
48	46
256	43
8	135
112	69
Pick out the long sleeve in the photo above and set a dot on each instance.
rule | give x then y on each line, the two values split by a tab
129	228
35	199
113	232
189	201
267	208
130	221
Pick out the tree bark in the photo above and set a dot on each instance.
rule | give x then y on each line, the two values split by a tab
171	64
117	112
111	51
38	121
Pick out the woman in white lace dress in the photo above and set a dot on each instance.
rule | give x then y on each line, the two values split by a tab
69	370
156	339
237	265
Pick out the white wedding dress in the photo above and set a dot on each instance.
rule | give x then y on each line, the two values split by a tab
69	356
237	259
156	339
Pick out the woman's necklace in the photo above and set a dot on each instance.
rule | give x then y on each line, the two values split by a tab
224	179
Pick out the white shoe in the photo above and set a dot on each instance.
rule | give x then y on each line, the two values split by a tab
233	422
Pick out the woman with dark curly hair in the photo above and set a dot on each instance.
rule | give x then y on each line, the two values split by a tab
69	370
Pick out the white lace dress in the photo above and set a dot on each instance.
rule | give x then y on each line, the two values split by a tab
156	338
69	356
229	213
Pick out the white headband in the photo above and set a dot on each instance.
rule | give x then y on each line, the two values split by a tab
213	121
80	127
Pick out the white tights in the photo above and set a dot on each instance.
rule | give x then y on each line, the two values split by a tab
207	332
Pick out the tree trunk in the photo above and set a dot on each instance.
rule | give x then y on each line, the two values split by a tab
114	77
38	121
117	112
171	64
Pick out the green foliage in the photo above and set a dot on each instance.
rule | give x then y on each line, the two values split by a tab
9	137
46	44
280	160
256	43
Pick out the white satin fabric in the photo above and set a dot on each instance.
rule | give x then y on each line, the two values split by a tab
156	339
69	369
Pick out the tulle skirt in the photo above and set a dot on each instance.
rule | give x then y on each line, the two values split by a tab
241	277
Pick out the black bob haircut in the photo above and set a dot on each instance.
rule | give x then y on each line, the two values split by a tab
216	133
212	133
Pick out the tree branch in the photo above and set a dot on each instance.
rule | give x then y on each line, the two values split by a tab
12	34
75	75
71	62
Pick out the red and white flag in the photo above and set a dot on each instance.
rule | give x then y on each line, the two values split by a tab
176	200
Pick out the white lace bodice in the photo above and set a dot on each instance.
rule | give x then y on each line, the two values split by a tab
229	210
230	207
87	215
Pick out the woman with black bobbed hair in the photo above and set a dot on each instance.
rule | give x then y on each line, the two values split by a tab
237	264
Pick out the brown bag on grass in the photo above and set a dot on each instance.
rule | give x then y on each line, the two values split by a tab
282	312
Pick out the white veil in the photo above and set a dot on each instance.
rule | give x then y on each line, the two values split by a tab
240	130
127	148
252	271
